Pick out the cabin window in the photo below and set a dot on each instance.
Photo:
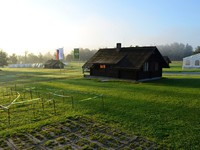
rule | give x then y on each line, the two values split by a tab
187	62
102	66
146	66
196	62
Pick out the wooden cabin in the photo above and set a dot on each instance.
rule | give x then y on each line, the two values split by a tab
135	63
54	64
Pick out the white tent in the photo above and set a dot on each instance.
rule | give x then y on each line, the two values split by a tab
191	62
36	65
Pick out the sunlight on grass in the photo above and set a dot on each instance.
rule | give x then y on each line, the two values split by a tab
176	66
165	110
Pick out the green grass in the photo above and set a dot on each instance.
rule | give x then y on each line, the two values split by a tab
176	66
165	110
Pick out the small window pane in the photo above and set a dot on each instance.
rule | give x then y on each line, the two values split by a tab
196	62
102	66
146	66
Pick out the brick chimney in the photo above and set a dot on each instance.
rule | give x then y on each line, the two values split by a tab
119	45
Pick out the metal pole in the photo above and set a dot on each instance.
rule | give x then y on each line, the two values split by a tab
8	116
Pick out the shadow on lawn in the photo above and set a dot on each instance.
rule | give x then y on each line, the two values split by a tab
178	82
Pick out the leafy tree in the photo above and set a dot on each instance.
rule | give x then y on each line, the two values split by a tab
197	50
3	58
69	57
13	59
32	58
40	58
48	56
176	51
188	50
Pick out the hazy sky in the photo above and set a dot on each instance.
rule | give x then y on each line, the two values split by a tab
43	25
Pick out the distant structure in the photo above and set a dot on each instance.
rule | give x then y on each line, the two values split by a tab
191	62
34	65
135	63
54	64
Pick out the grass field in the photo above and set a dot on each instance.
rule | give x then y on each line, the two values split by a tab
165	111
176	66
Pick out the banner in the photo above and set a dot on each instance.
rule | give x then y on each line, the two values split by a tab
59	54
76	53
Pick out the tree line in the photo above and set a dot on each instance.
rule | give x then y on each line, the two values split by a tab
175	51
84	54
28	58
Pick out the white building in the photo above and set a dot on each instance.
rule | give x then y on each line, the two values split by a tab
191	62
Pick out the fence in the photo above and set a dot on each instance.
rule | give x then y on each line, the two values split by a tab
31	104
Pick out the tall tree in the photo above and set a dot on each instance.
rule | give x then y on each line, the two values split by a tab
3	58
40	58
176	51
13	59
197	50
32	58
69	57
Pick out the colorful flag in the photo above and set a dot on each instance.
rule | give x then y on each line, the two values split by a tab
59	54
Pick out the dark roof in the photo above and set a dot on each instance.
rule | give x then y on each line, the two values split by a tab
167	59
52	62
134	57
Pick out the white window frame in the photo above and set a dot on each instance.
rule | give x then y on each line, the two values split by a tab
146	67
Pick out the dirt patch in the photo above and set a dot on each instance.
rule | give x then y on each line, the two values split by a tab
76	133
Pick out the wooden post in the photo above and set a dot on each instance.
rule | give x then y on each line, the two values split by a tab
43	104
49	97
31	94
8	116
33	107
11	91
72	102
102	101
63	95
54	106
24	94
9	96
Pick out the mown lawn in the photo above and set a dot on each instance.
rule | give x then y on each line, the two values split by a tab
166	111
176	66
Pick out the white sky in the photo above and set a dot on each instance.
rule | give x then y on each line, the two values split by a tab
44	25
